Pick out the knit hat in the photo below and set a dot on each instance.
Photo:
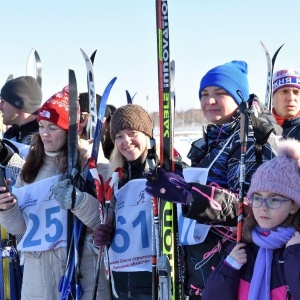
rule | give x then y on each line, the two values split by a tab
131	116
23	93
281	175
56	109
231	77
84	102
286	78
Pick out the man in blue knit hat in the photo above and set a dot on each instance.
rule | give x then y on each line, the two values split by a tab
207	196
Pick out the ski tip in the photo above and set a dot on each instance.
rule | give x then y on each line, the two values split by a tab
129	99
10	77
92	58
83	52
31	51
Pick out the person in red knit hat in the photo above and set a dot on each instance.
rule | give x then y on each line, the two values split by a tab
39	204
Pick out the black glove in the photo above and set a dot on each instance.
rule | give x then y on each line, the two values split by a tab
5	153
169	186
103	235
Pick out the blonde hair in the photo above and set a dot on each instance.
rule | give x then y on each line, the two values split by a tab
117	159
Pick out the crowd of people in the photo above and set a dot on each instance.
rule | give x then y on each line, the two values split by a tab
41	199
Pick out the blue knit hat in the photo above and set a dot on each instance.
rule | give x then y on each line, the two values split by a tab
231	77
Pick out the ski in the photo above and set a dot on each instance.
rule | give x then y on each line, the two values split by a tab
92	58
129	98
98	182
38	64
90	128
100	119
10	77
270	67
74	224
168	261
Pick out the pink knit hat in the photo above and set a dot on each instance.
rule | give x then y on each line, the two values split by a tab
281	175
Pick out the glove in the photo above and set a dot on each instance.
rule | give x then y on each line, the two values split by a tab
103	235
169	186
63	192
5	154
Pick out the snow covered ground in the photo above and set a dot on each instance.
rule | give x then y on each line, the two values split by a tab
183	138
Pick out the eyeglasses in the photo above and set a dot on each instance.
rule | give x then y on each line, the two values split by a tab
272	202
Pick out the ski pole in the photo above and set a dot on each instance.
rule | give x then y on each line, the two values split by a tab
244	126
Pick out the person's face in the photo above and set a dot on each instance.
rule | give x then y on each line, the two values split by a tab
271	217
131	143
286	102
10	114
53	137
217	105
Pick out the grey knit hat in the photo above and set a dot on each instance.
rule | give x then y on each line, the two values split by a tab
23	93
280	175
131	116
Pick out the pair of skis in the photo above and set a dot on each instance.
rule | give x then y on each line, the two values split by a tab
74	252
270	66
95	128
167	249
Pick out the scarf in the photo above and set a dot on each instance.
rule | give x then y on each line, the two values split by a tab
260	282
280	120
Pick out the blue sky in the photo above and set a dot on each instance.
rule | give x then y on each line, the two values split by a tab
203	34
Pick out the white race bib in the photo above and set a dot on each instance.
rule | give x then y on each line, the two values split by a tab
131	246
191	232
46	222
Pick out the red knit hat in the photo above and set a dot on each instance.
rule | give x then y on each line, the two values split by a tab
56	109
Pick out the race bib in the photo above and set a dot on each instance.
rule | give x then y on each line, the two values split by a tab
131	246
191	232
46	222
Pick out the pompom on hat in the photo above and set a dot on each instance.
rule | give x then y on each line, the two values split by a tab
23	93
286	78
231	77
131	116
56	109
281	175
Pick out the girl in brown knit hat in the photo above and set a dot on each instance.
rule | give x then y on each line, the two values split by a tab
130	237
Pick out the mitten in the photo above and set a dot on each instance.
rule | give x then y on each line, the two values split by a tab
169	186
103	235
63	192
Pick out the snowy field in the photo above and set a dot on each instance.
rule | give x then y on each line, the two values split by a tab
183	138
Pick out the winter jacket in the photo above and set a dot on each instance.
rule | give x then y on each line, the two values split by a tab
43	269
235	284
22	134
291	128
201	258
136	283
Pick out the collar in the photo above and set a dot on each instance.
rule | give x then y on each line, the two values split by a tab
280	120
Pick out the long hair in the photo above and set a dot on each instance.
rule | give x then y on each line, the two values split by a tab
117	159
36	159
293	220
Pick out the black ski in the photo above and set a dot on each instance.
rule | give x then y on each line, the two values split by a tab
129	98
